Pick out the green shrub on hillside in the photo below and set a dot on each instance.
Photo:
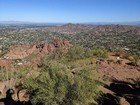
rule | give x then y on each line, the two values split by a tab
135	59
57	55
75	53
51	86
118	51
58	86
12	73
84	89
100	53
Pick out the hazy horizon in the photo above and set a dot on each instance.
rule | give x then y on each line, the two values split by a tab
70	11
14	21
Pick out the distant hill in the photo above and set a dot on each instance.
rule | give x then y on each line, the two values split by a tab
105	36
113	23
76	28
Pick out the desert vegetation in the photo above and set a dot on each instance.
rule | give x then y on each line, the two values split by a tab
62	83
62	72
103	36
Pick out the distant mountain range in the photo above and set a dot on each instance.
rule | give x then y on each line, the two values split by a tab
18	23
14	22
137	23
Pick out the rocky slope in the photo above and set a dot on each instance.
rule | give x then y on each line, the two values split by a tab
121	86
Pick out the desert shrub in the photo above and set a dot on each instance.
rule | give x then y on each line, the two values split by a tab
100	53
3	74
57	55
125	55
88	53
57	86
83	90
51	86
118	51
135	59
75	53
12	73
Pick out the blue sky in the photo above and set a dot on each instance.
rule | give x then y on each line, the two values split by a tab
70	10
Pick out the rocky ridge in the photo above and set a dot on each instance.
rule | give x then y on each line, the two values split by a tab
22	51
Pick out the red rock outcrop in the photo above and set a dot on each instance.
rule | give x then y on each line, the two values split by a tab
22	51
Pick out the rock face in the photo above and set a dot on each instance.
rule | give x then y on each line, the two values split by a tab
19	51
22	51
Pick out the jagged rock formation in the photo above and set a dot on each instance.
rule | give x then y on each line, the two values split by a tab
22	51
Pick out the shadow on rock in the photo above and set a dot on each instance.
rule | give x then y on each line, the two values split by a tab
9	101
108	99
130	92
